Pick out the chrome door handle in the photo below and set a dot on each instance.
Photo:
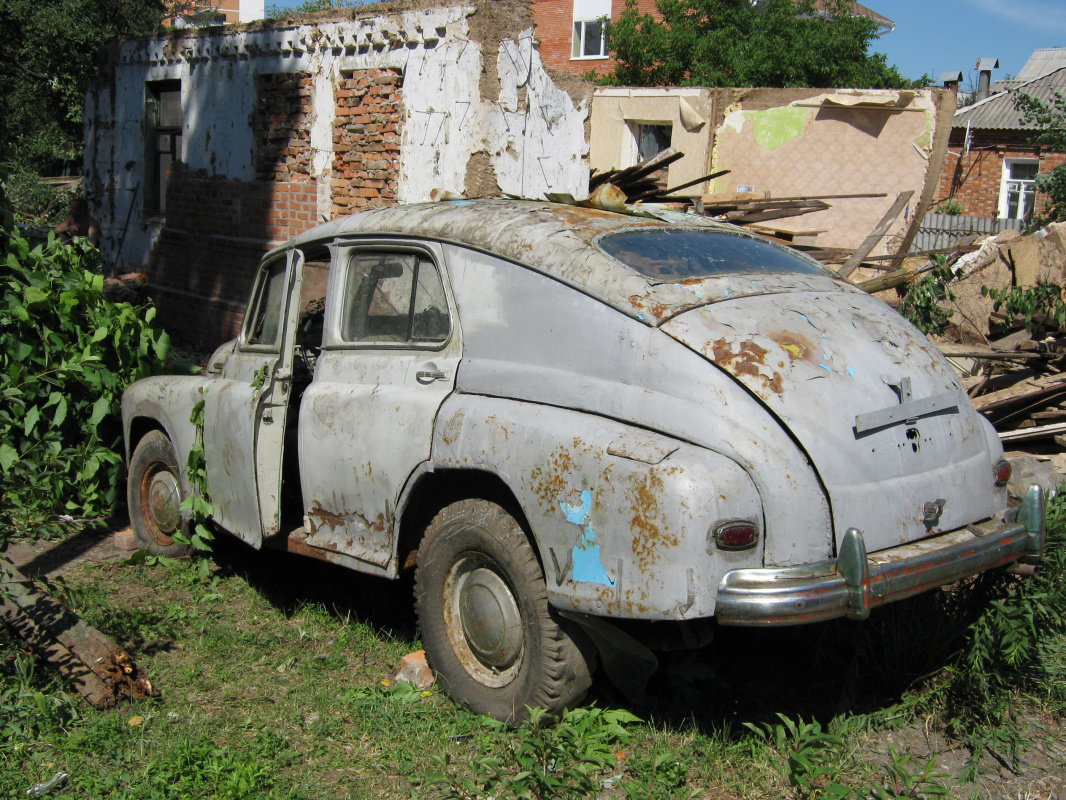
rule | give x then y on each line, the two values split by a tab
430	375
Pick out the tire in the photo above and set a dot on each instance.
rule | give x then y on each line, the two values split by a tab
483	612
153	492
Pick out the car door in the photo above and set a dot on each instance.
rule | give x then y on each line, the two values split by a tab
245	409
366	423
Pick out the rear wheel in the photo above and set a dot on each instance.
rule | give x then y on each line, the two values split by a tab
483	610
154	494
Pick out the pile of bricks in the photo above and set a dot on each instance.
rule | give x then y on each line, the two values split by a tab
282	126
366	140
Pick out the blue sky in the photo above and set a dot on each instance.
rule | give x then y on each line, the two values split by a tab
935	36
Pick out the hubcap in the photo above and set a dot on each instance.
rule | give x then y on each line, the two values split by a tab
484	621
161	504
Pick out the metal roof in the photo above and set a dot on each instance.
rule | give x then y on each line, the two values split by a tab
1041	62
997	112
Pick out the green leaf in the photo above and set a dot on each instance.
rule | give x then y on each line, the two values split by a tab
8	456
30	421
100	409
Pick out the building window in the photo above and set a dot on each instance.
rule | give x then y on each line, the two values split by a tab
162	129
652	139
1017	193
590	28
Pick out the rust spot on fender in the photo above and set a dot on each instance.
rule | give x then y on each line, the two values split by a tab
748	362
649	533
797	347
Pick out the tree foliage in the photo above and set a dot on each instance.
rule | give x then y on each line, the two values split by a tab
66	354
1051	118
48	56
780	43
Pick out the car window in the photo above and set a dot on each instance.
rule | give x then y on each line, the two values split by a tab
264	325
394	297
665	255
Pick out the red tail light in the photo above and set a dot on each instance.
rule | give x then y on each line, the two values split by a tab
1001	472
736	536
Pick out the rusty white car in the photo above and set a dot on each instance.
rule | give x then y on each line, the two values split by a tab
565	420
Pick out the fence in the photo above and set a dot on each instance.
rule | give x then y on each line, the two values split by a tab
940	231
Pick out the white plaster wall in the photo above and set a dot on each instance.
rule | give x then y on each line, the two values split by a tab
535	148
536	142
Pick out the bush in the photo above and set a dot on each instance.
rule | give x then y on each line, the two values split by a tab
37	204
66	354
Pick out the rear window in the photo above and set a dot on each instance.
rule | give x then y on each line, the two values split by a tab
666	256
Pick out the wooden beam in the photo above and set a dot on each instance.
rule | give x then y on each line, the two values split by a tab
877	234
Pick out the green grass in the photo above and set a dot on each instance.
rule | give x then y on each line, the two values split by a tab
275	680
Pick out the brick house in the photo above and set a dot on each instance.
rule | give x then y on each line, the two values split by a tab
572	36
207	147
992	165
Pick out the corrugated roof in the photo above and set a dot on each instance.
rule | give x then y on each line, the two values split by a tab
997	112
1041	62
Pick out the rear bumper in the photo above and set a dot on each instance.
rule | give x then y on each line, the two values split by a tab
853	583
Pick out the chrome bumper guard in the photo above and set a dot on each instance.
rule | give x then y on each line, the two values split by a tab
853	583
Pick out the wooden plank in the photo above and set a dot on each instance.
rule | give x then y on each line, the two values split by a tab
877	233
665	192
1027	390
1040	432
971	351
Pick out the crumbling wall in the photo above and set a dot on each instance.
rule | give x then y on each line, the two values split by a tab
803	143
289	123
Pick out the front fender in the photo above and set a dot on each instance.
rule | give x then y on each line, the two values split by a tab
166	401
622	517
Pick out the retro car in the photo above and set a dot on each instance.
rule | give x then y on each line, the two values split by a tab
565	420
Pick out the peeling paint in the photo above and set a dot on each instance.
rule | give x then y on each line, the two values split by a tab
777	126
587	566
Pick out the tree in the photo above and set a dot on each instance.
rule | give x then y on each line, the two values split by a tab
1051	117
779	43
48	56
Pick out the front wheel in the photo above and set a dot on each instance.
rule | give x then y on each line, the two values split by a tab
153	492
483	611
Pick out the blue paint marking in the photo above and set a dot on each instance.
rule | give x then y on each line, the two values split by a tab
825	356
826	368
588	567
726	292
462	202
851	372
757	283
640	316
824	336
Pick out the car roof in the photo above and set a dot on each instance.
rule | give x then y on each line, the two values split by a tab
556	239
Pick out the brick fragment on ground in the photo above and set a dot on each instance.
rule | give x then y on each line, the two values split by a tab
415	669
125	540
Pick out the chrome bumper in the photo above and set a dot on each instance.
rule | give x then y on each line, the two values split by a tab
854	583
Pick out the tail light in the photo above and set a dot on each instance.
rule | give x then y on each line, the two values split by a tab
737	535
1001	472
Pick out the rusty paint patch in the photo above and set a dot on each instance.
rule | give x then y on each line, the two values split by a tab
453	427
797	347
749	361
649	533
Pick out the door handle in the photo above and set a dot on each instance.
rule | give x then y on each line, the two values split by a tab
430	375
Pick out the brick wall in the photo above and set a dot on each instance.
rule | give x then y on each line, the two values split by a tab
366	140
974	178
554	20
282	127
201	270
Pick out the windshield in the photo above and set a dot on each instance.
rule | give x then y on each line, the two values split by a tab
665	255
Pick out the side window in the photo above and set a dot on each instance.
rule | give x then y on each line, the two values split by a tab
394	297
263	324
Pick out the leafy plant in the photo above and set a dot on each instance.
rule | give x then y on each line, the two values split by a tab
66	354
806	755
545	757
1043	302
903	784
950	206
26	712
922	304
1050	119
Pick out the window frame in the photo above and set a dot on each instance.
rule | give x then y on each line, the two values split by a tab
578	39
339	287
155	179
1004	187
244	343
